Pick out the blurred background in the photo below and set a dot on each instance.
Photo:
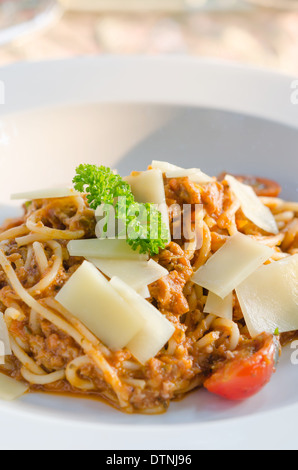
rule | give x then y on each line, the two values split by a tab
262	33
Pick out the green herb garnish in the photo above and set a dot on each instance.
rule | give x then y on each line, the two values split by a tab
143	225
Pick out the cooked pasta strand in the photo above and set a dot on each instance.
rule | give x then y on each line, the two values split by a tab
45	379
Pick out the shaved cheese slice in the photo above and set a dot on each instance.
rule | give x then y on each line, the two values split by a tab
148	187
137	274
239	257
164	167
91	298
144	292
106	248
252	206
269	298
223	308
10	389
156	331
5	349
194	174
172	171
45	194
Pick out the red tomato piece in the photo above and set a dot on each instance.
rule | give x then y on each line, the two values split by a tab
249	371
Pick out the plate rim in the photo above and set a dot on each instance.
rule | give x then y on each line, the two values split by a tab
248	83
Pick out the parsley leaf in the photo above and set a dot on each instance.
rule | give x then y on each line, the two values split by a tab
145	229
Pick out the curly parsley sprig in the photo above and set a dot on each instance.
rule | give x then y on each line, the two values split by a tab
145	230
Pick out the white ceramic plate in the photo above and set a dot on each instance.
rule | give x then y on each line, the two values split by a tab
124	112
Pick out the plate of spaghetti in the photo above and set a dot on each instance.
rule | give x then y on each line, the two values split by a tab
148	253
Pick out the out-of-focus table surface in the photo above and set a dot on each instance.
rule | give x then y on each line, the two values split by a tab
265	38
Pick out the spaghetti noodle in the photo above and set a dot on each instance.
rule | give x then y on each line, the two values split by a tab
53	351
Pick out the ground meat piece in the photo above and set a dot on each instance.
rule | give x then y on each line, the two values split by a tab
182	191
173	259
19	329
168	292
86	222
287	338
213	198
53	350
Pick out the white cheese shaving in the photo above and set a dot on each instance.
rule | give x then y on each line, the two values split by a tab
194	174
144	292
239	257
93	300
137	274
10	389
252	206
269	297
164	167
106	248
156	331
172	171
48	193
148	187
223	308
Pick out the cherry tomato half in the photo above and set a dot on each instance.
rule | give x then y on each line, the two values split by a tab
263	187
249	371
